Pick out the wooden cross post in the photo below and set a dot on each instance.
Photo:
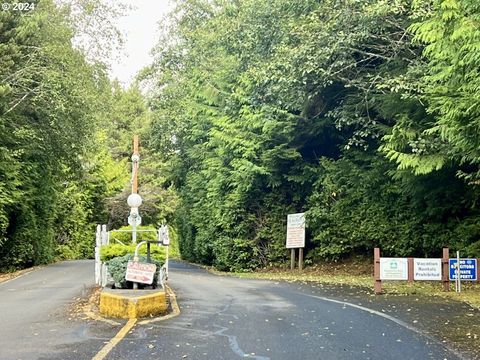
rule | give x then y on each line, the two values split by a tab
135	159
135	166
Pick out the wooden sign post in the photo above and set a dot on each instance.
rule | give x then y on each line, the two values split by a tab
296	238
413	269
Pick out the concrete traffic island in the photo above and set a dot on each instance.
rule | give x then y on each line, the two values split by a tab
132	304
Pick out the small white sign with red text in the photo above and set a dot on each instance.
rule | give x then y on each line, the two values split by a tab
140	272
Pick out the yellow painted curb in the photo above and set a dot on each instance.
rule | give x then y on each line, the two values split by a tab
175	309
131	306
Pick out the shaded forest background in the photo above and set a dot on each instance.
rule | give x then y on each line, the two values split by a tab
364	114
66	132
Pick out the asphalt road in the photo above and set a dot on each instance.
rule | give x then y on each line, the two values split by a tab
221	318
229	318
34	309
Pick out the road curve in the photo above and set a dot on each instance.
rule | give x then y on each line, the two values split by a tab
230	318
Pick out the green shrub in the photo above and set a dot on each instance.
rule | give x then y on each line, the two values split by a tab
473	250
125	237
117	267
64	252
108	252
173	249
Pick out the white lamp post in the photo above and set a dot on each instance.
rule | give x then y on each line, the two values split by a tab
134	201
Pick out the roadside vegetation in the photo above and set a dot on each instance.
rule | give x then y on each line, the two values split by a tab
65	133
363	114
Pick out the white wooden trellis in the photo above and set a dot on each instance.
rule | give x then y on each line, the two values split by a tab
102	237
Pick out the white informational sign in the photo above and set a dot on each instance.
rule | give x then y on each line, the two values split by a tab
427	269
140	272
393	269
296	231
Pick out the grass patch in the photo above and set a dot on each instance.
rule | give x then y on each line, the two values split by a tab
470	291
358	280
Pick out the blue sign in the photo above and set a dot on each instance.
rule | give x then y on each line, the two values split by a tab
468	269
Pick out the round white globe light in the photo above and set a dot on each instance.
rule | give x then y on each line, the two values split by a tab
134	200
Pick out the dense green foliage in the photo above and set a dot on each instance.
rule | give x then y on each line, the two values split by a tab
56	168
364	114
361	113
446	83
